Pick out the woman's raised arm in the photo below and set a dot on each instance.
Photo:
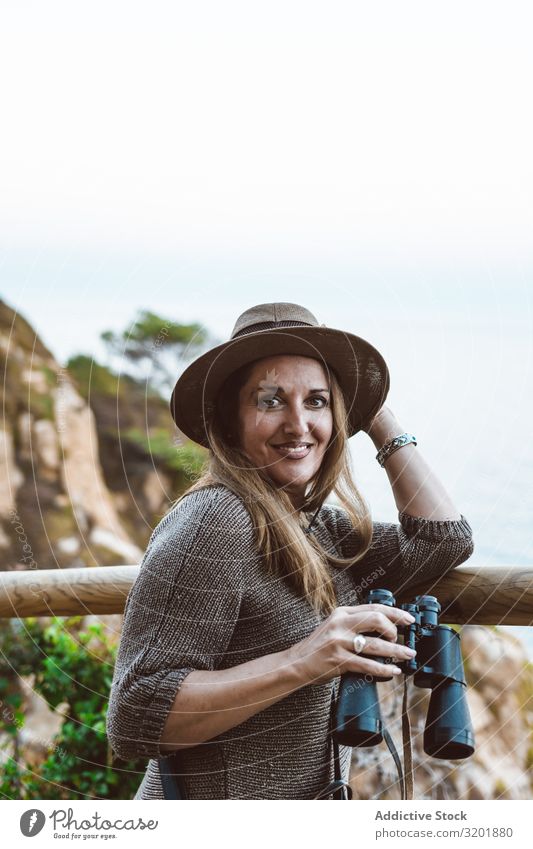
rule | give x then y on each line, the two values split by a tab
417	490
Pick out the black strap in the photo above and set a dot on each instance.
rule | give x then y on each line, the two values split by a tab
171	780
396	758
407	748
337	789
405	775
340	789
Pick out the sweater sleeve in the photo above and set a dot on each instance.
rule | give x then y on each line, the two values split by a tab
180	613
405	553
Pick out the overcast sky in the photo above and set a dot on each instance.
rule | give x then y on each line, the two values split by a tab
195	158
343	129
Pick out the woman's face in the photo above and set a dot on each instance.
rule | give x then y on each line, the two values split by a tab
286	402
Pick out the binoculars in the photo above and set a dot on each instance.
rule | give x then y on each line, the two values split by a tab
437	665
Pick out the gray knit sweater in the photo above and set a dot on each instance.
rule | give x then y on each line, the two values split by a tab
203	600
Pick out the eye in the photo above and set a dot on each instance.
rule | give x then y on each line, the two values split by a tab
320	398
266	402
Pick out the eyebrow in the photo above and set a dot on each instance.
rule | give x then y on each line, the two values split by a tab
281	389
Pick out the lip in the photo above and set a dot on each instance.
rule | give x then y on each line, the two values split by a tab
288	444
293	455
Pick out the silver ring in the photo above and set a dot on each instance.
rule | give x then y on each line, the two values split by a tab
359	642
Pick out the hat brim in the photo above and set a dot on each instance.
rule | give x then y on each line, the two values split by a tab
359	368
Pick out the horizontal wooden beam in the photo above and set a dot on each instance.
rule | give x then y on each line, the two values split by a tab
66	592
501	595
468	594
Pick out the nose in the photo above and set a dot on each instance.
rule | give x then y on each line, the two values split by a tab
297	421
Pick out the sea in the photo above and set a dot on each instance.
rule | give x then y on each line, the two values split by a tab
464	388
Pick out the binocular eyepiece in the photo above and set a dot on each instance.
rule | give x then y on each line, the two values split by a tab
437	665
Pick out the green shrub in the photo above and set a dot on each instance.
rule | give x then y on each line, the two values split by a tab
187	458
92	377
76	668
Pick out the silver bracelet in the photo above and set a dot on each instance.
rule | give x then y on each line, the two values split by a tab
392	446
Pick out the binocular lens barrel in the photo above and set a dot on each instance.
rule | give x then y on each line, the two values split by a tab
448	733
358	720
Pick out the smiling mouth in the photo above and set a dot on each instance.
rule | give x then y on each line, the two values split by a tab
293	444
296	450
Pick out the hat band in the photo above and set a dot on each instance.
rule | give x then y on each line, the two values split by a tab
270	325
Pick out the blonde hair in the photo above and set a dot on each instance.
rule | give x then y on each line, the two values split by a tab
286	549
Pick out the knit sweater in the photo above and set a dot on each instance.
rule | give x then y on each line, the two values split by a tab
203	600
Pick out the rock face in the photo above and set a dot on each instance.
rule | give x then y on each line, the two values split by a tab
10	475
82	478
55	507
500	700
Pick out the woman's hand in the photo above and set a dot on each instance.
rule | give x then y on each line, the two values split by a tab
328	651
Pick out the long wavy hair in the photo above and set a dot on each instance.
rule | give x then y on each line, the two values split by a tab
280	537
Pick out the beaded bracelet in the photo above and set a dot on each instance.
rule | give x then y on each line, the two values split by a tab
392	446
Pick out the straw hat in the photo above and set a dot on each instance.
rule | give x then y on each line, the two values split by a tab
281	328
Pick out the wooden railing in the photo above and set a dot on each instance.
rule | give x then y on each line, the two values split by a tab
468	594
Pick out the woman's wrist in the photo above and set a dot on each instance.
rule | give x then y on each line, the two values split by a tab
384	427
297	667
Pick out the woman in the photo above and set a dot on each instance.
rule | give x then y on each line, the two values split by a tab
247	608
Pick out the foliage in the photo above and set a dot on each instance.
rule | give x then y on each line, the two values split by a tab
188	458
92	377
146	343
20	333
150	330
72	669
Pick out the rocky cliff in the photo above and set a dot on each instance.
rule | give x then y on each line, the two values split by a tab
55	507
89	460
